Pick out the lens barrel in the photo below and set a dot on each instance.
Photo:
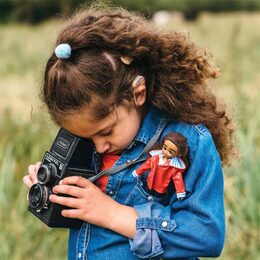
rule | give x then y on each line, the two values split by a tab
38	196
46	173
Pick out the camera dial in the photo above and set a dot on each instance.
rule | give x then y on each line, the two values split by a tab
46	173
38	196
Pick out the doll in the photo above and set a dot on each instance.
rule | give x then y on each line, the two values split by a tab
166	165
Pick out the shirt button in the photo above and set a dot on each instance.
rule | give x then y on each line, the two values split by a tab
150	198
128	161
79	255
111	192
164	224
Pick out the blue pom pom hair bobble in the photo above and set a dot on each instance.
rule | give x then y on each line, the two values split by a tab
63	51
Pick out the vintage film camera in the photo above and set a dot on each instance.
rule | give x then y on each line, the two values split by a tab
69	156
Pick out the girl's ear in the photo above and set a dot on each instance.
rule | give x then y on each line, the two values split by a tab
139	90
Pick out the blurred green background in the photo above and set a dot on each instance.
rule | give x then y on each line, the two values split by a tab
28	29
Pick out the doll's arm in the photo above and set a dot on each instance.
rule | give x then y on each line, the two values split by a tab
179	184
143	168
182	229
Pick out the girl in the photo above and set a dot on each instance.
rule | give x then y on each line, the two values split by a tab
117	81
165	165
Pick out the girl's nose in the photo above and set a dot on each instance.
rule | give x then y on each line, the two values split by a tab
101	145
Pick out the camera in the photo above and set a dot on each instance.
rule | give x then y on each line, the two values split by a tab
69	156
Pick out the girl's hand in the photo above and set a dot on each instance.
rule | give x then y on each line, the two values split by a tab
31	178
90	204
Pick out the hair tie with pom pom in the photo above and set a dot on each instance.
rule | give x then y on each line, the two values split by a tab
63	51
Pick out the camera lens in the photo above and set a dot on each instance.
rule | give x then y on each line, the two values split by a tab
46	173
38	196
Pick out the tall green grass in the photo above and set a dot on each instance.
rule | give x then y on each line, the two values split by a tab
26	132
242	195
22	236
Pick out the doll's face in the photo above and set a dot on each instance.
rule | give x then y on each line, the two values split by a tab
169	149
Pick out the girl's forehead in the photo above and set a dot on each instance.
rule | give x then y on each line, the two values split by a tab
84	124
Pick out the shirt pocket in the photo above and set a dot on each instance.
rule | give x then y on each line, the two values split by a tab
139	196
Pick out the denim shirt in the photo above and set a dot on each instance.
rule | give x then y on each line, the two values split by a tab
166	227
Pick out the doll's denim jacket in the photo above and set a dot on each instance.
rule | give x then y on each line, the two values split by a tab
166	228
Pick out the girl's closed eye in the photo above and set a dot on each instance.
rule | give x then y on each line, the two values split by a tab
106	132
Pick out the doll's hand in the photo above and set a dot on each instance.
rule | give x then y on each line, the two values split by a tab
135	174
31	178
87	203
181	195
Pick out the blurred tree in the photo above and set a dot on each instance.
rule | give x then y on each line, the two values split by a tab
190	8
34	11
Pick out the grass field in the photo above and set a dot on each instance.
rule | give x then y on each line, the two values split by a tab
26	131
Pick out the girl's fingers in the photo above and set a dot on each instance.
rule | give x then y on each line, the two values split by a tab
77	180
27	181
69	190
72	213
31	178
66	201
37	166
32	170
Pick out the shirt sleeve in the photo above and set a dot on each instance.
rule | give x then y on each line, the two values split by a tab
194	226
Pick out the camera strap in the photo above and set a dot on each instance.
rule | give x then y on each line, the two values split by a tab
140	158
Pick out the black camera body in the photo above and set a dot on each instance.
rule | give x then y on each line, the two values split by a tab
69	156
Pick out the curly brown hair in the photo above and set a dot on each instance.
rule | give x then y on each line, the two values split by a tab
175	71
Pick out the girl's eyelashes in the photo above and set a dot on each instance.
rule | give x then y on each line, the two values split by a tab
106	132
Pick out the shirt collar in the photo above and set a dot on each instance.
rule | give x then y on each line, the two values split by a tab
175	162
150	125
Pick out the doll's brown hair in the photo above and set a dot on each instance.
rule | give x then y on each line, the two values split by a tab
181	142
175	72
